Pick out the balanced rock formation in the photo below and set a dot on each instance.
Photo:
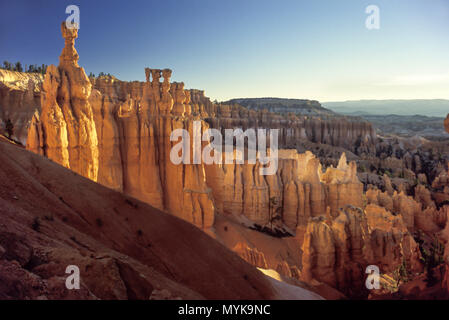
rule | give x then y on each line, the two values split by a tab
66	131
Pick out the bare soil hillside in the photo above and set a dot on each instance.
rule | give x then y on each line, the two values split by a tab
51	217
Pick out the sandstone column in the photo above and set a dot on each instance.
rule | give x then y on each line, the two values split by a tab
67	124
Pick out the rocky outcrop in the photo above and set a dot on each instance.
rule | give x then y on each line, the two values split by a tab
338	250
19	100
343	186
446	123
391	243
279	105
440	188
419	213
134	142
357	136
300	189
251	255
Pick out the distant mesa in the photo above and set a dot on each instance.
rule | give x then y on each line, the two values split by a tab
425	107
282	105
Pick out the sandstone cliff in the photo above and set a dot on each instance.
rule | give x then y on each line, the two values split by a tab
118	134
19	100
356	136
337	251
300	188
121	140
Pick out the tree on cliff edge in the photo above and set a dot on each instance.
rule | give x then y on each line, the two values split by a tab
7	65
9	126
18	67
273	210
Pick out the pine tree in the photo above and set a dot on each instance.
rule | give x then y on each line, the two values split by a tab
18	67
7	65
9	126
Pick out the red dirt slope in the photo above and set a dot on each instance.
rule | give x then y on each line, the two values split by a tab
51	217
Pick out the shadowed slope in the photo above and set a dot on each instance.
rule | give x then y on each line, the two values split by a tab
51	217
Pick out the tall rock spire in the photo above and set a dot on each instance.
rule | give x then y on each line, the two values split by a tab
69	56
66	132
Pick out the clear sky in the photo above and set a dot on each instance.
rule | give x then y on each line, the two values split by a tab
314	49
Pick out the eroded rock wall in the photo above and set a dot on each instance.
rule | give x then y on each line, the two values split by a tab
300	189
337	251
356	136
19	100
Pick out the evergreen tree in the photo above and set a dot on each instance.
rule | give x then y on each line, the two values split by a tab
7	65
18	67
9	126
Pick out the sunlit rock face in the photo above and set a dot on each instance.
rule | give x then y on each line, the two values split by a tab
134	122
300	188
336	251
418	213
65	131
118	134
19	101
251	255
357	136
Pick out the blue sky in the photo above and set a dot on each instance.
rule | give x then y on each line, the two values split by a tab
316	49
